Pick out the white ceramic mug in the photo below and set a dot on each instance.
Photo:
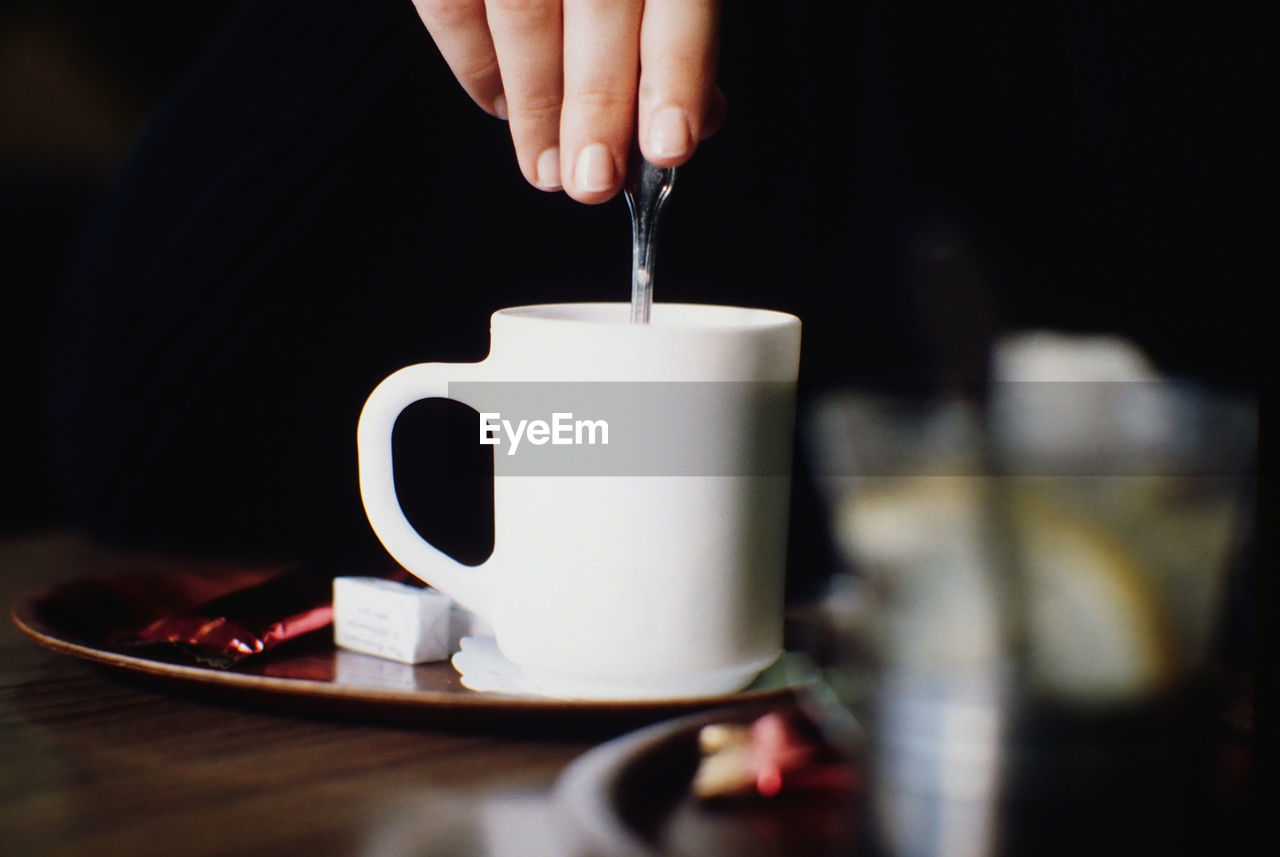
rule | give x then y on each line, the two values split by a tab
637	575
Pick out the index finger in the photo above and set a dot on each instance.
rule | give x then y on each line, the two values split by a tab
597	120
679	50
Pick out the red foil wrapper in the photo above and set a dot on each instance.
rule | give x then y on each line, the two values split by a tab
224	631
779	752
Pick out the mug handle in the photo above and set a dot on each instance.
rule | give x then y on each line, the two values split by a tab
465	584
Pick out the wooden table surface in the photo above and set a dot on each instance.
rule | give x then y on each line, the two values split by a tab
95	763
99	763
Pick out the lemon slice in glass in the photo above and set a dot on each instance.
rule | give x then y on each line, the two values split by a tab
1094	623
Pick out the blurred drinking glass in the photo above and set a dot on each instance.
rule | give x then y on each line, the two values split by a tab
1033	587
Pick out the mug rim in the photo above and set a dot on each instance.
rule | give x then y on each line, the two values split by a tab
679	315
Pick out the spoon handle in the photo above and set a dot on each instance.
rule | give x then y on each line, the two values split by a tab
647	188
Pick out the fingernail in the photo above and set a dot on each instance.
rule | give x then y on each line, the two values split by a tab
548	169
500	107
669	133
594	169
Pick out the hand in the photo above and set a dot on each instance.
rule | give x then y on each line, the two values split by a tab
576	77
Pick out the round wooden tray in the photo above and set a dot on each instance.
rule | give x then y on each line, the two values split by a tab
78	617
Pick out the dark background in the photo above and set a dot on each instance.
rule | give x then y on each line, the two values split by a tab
221	226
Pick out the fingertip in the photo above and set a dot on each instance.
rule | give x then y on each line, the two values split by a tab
594	176
668	139
590	198
547	170
671	134
499	107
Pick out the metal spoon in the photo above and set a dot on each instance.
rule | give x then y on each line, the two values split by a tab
646	189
